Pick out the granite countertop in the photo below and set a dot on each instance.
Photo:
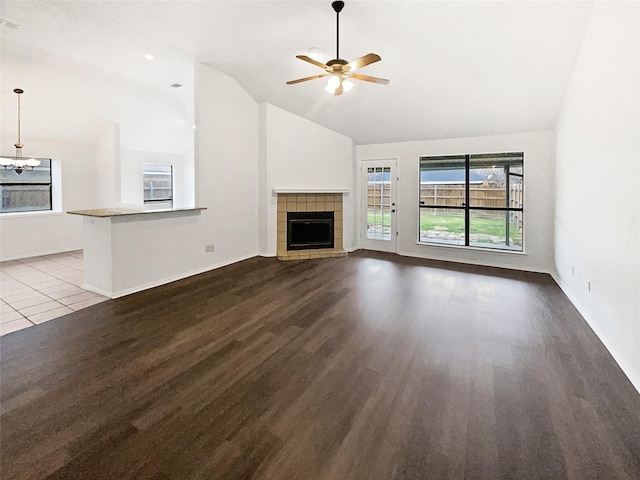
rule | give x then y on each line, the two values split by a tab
118	212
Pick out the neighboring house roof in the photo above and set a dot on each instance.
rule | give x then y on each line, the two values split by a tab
441	177
449	177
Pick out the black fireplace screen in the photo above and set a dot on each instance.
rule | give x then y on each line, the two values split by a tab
308	230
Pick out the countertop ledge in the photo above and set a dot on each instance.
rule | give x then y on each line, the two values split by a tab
119	212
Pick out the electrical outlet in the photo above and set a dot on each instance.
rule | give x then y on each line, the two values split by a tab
209	248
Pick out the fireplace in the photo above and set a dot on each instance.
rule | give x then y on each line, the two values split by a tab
309	230
313	239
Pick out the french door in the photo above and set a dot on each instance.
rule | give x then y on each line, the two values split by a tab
378	222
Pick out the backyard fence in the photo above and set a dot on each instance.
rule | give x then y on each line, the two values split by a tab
17	197
481	195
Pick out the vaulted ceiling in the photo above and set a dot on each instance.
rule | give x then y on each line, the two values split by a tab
457	69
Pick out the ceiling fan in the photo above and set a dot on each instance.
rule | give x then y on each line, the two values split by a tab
340	70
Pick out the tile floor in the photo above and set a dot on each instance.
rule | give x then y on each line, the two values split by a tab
38	289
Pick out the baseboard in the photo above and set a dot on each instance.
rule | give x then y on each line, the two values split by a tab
164	281
480	263
42	254
634	377
91	288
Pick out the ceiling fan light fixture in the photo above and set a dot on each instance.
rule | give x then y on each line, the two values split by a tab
333	84
339	70
338	84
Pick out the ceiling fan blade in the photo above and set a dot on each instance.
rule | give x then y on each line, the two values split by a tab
312	61
368	59
293	82
367	78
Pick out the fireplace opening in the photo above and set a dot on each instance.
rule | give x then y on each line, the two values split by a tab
308	230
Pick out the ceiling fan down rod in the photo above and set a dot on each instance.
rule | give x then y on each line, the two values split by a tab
338	6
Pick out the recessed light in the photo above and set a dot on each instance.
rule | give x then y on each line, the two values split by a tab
148	57
175	85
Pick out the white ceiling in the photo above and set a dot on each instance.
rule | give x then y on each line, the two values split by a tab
457	69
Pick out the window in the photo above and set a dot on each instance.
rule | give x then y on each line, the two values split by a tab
158	183
27	192
379	203
472	200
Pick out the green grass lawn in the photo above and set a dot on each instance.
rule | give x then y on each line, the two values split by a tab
494	226
378	219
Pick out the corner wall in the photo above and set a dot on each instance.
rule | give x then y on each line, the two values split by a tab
538	148
226	166
107	167
296	153
598	172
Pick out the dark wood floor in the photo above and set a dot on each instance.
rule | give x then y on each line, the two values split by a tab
368	367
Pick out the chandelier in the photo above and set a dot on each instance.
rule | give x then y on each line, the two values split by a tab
17	163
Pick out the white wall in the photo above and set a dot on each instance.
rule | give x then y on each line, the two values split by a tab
93	171
127	254
145	128
156	129
132	169
598	172
107	167
130	118
41	233
226	166
538	151
227	185
297	153
71	101
152	249
120	170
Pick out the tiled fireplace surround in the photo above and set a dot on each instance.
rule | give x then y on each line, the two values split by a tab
309	202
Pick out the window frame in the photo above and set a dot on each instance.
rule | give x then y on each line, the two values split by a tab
26	184
158	200
466	208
